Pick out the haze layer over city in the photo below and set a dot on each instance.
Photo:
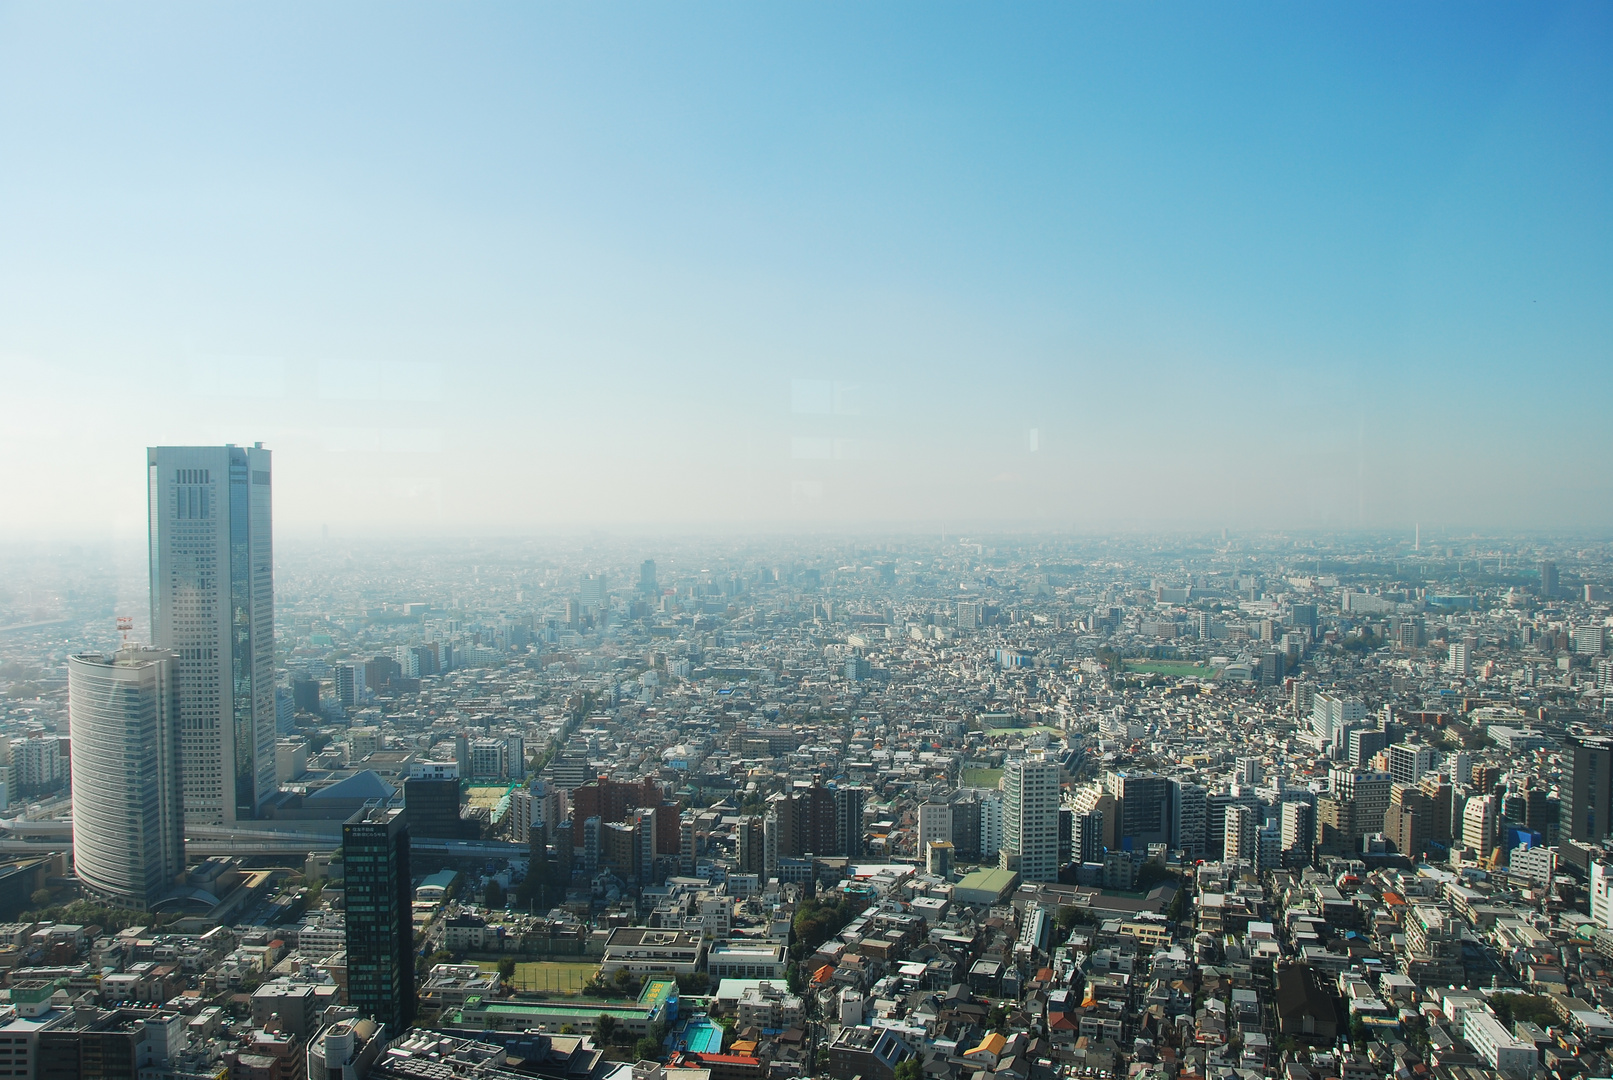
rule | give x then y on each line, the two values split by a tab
889	543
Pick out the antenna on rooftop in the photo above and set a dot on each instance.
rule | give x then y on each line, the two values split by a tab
125	624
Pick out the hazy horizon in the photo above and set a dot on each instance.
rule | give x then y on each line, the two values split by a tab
536	270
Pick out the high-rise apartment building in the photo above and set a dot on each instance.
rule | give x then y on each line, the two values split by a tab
123	715
533	812
1146	808
966	828
36	763
935	823
1445	823
489	759
1479	824
212	605
1242	836
1588	640
748	841
991	826
611	800
1367	793
1335	826
380	922
1031	819
1548	578
1217	804
1095	797
349	682
849	803
1190	830
593	591
1086	841
1269	845
1364	744
1298	827
807	822
1409	820
770	841
1408	762
1459	660
1331	712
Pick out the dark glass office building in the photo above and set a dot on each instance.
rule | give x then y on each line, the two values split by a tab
1586	800
380	927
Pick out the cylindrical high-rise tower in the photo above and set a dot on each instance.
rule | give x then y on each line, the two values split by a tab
128	831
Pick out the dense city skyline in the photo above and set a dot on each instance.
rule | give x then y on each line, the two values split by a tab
878	542
593	800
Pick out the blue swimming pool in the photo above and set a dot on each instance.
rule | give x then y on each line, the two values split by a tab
702	1037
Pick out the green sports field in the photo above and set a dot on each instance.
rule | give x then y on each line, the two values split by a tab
549	976
980	778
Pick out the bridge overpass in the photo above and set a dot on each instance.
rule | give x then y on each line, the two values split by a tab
35	837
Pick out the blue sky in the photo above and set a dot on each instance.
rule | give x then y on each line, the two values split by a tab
517	267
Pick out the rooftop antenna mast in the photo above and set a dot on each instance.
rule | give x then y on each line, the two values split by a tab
125	624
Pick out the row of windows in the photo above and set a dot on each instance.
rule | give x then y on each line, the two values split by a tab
193	503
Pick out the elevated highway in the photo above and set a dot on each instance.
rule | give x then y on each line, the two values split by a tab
34	837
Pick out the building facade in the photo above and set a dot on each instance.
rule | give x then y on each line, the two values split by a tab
380	924
123	714
1030	842
212	605
1586	788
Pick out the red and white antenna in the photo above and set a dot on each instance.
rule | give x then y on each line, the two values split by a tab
125	624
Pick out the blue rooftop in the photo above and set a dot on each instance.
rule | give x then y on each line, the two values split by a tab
360	787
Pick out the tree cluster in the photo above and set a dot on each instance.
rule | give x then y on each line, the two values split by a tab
818	920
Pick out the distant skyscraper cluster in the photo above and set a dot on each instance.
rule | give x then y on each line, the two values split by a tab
181	733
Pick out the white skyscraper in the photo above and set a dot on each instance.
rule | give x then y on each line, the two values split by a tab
1330	713
1479	824
1242	834
1031	819
123	715
991	826
212	605
1298	826
935	824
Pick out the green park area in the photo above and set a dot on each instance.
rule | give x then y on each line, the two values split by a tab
1178	669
